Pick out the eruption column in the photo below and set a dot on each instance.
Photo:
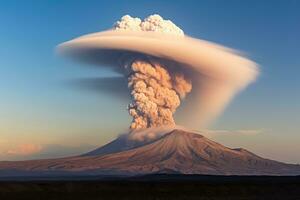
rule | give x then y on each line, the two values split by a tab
155	92
161	65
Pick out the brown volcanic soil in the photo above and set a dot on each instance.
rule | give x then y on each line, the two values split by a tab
175	152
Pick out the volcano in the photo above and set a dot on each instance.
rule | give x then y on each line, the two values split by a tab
176	152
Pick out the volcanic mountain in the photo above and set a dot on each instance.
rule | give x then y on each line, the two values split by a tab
175	152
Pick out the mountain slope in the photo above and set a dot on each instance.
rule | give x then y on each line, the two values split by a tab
175	152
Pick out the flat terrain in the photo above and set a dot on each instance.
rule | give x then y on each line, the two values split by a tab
187	187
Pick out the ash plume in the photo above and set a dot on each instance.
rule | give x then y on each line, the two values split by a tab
156	94
164	67
153	23
156	90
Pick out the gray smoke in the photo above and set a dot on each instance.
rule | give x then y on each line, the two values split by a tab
155	92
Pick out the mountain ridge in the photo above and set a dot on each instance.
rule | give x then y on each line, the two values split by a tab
175	152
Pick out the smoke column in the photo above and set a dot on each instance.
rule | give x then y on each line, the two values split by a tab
156	91
156	94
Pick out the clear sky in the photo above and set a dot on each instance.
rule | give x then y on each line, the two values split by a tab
42	114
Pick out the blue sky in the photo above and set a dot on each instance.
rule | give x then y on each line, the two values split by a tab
39	106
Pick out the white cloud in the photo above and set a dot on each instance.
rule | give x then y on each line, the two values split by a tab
37	151
246	132
24	149
250	132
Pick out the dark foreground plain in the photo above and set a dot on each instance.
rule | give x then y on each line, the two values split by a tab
162	187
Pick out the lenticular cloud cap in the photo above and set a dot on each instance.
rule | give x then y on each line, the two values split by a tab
216	72
111	47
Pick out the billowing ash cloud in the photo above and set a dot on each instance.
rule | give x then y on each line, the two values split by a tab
153	23
156	91
164	67
156	94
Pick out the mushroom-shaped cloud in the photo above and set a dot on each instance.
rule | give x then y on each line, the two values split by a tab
163	66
